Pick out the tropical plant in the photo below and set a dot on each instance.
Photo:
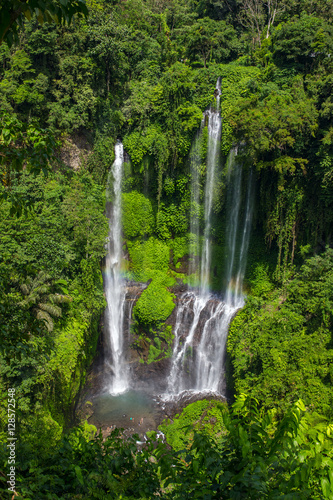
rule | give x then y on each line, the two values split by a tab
40	297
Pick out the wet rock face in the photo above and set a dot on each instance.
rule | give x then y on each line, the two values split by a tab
183	264
187	322
133	291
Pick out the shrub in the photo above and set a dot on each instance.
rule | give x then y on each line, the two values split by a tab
138	217
155	304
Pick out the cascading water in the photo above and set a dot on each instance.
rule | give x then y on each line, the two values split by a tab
214	137
234	294
195	159
194	303
211	349
114	284
203	320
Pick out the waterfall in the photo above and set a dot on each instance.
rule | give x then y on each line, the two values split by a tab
195	303
234	294
211	349
114	284
203	320
188	313
195	209
210	352
214	137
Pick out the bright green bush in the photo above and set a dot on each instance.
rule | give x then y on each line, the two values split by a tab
259	281
171	220
151	141
69	346
179	246
147	256
204	416
47	431
150	260
161	346
155	304
235	86
138	217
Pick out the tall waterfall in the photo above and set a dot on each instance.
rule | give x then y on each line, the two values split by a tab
211	349
213	148
114	285
203	320
236	267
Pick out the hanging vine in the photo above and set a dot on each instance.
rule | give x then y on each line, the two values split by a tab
282	225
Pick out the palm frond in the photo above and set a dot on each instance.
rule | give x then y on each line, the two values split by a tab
58	298
24	303
50	309
30	300
44	316
42	289
24	289
61	285
61	282
41	278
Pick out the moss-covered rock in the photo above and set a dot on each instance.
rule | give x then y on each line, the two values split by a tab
155	304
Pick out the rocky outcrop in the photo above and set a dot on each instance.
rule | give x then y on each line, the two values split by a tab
75	150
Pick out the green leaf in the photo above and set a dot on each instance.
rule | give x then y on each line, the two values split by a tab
78	473
325	486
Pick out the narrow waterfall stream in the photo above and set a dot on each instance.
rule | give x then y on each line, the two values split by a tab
117	372
203	320
234	293
211	349
213	149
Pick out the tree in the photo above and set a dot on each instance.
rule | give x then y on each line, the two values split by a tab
83	211
22	146
256	14
274	7
109	44
208	39
303	42
13	13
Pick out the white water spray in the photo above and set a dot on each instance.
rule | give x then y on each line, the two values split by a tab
114	285
211	350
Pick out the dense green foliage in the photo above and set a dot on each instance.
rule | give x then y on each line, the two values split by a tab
51	299
281	345
253	456
145	71
138	217
202	416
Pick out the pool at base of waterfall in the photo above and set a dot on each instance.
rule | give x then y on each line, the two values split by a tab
135	411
